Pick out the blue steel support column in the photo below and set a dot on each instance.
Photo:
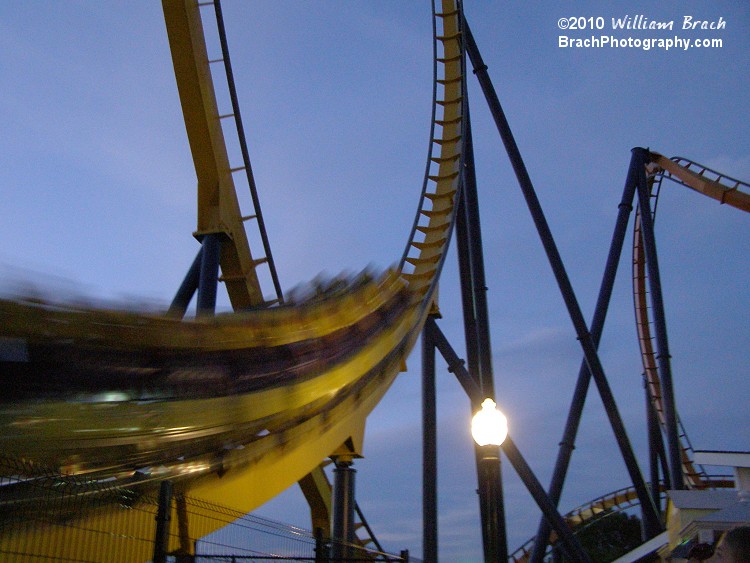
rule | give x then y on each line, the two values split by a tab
655	448
163	516
652	425
187	289
660	327
491	507
429	449
662	454
343	511
455	364
476	327
473	238
588	346
567	444
572	545
467	267
467	294
209	275
321	548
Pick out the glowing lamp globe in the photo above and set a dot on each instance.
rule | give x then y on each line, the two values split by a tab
489	426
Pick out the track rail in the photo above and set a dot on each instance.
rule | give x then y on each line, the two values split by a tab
695	476
259	441
717	186
218	205
726	190
615	501
428	241
257	215
703	179
298	420
185	387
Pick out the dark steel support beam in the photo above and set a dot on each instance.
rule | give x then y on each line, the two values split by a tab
491	509
343	511
183	527
209	275
467	294
187	289
510	449
321	547
652	425
429	449
476	328
664	463
455	364
588	346
567	443
163	517
245	152
674	450
473	238
656	450
477	332
363	523
472	274
570	543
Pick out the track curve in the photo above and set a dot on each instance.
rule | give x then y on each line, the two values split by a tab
725	190
138	409
330	423
719	187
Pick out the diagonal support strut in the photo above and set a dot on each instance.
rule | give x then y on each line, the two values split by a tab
650	514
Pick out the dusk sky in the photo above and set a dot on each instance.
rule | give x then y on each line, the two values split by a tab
98	197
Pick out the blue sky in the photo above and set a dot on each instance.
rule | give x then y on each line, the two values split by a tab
98	195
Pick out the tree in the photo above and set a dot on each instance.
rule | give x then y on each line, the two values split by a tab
609	536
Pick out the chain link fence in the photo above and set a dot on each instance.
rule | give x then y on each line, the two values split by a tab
47	517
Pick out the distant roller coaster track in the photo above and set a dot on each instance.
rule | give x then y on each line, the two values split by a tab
247	401
725	190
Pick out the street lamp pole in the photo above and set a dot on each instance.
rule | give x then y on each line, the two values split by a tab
489	428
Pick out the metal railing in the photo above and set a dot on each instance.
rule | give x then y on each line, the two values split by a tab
48	516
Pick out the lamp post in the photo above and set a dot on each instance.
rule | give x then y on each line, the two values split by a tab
489	427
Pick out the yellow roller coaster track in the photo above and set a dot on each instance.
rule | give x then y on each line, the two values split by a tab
187	406
264	427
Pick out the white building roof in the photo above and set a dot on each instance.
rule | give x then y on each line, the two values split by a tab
737	512
703	500
644	549
722	458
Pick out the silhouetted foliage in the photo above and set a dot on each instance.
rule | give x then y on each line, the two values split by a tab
612	535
